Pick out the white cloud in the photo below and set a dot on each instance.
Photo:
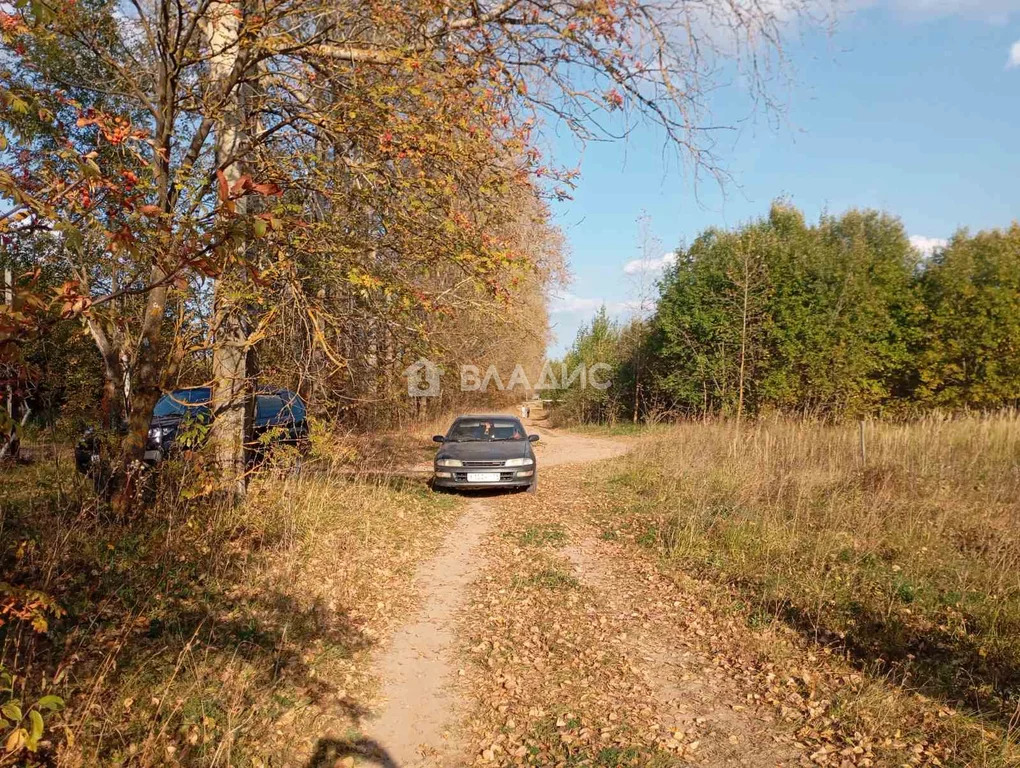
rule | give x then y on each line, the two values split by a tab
568	303
927	245
638	266
1014	56
994	11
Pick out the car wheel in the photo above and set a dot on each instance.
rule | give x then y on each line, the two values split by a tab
533	488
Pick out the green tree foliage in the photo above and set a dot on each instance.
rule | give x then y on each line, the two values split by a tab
970	347
839	318
703	325
842	312
821	316
597	343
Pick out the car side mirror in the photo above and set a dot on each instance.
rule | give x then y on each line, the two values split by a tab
533	438
438	439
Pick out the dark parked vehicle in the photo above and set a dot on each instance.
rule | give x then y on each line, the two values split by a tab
486	451
182	417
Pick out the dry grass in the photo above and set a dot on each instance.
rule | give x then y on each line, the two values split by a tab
397	450
910	562
203	634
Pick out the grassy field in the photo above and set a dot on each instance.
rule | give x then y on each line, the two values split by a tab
204	634
908	561
199	633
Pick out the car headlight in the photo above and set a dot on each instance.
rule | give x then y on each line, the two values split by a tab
525	462
449	463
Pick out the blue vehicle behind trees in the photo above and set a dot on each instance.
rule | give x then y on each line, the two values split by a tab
181	420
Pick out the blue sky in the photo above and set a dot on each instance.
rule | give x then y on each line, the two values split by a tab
910	106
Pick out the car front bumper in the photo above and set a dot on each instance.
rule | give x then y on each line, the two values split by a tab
447	477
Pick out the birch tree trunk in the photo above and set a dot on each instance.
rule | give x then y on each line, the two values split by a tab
232	401
116	387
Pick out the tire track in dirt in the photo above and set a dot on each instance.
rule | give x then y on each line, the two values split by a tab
578	654
550	666
417	664
695	697
581	649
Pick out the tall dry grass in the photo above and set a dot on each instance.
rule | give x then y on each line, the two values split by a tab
207	634
909	560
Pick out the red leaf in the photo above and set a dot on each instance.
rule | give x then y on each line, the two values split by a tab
267	188
224	190
241	186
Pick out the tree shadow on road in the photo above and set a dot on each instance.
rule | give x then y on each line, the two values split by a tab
329	751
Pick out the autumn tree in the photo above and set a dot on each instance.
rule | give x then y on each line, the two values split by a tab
314	150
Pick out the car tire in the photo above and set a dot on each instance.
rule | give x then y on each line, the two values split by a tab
533	488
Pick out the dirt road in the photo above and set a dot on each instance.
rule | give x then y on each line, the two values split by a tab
416	725
564	629
542	640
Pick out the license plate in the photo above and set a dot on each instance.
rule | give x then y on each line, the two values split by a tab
483	477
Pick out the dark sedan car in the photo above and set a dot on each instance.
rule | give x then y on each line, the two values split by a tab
181	419
486	451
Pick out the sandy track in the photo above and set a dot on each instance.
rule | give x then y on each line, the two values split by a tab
557	448
551	633
690	692
416	667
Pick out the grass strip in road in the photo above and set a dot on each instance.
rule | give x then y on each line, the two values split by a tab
546	668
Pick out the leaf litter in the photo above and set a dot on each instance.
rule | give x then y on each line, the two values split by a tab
588	651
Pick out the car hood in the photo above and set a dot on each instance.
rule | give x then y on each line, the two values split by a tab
481	450
165	421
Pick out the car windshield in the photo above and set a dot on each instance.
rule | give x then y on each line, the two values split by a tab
282	407
465	430
181	402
